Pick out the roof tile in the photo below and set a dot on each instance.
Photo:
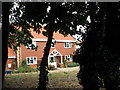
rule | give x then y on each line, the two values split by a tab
10	52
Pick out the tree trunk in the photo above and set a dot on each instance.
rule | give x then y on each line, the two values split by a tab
43	78
5	23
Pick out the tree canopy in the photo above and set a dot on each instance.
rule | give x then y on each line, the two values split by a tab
99	54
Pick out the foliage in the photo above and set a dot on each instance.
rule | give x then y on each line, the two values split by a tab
25	69
65	72
64	62
98	65
23	63
38	67
13	62
51	67
72	64
51	61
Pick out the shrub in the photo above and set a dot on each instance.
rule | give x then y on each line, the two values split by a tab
25	69
13	64
24	63
72	64
38	67
51	67
51	61
64	62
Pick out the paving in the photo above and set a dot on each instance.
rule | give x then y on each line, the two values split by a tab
65	69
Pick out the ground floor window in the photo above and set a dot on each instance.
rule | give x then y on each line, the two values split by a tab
68	57
31	60
52	59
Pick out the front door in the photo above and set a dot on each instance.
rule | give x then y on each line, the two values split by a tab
58	61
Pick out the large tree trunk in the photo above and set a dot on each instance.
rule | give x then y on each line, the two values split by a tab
43	78
5	23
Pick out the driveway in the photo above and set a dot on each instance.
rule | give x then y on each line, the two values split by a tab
65	69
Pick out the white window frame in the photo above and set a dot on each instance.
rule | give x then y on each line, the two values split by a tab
33	42
65	44
54	60
9	65
68	56
31	58
53	44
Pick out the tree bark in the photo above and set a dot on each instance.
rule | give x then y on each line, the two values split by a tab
43	78
5	23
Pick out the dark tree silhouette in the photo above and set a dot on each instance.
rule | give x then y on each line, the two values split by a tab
99	54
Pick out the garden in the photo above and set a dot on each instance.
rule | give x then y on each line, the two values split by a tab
61	78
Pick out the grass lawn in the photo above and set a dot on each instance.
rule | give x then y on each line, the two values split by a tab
61	79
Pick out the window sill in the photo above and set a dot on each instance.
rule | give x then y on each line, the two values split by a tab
52	47
32	64
69	61
67	47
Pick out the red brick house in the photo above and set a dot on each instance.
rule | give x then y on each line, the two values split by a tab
11	59
62	49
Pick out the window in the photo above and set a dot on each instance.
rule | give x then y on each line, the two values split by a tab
31	60
52	45
9	65
52	59
68	57
67	45
33	42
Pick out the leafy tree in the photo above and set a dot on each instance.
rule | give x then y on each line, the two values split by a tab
63	17
98	58
11	35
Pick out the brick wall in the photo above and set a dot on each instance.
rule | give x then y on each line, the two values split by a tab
64	51
59	46
32	53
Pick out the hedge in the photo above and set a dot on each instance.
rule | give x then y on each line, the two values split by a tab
72	64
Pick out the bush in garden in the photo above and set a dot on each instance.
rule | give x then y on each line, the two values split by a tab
25	69
38	67
13	64
64	62
51	67
72	64
24	63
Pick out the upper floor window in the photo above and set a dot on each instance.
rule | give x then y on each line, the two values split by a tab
31	60
52	45
29	45
68	57
67	45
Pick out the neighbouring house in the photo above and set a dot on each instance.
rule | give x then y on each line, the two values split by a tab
62	49
12	60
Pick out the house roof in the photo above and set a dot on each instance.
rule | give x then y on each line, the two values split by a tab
51	50
56	36
10	52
